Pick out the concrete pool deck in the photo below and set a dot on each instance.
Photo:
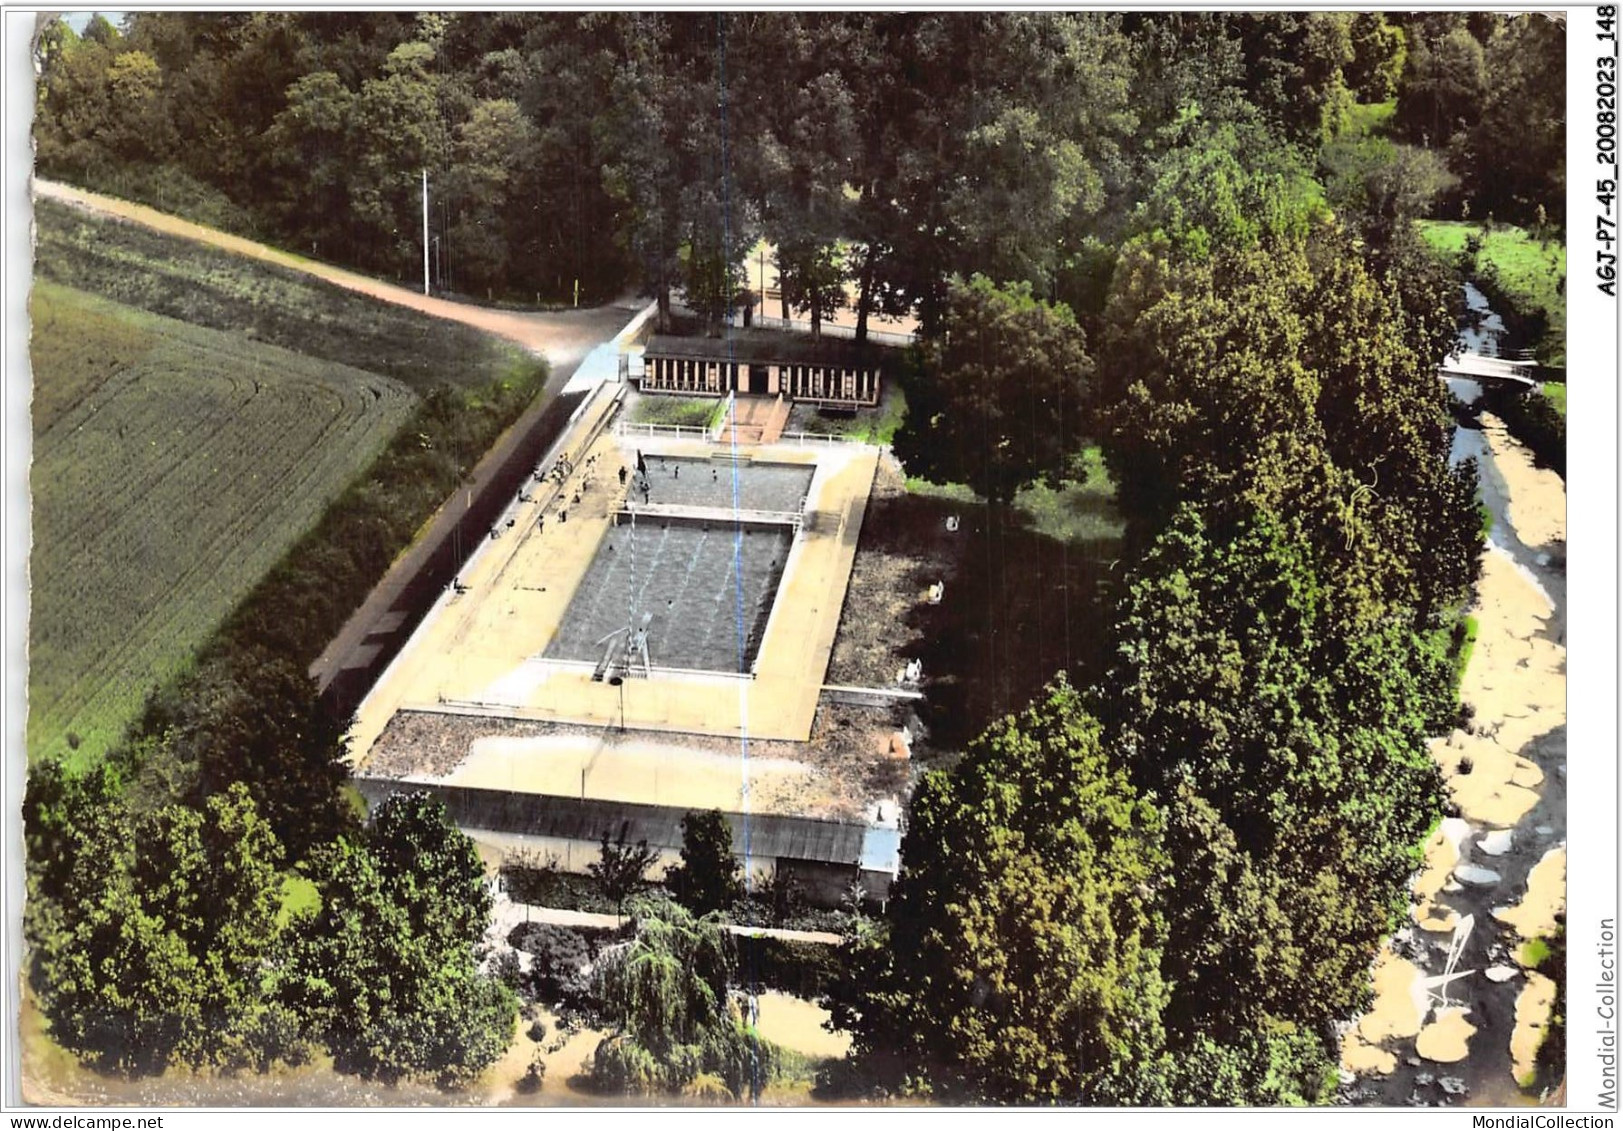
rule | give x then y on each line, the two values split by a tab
478	651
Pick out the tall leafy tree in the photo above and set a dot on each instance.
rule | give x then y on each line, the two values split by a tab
1291	763
1233	383
1444	83
1000	399
386	970
1295	71
1226	185
709	878
1520	156
1021	962
1379	49
169	946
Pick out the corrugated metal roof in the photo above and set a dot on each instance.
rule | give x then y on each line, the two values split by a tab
575	818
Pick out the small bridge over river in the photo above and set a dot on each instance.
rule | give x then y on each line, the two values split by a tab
1490	370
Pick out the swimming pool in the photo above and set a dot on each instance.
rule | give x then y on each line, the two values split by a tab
708	585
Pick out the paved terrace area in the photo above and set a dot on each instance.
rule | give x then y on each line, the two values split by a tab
478	651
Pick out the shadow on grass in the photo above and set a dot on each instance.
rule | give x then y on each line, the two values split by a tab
1019	606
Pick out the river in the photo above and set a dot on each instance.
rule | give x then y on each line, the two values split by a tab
1499	861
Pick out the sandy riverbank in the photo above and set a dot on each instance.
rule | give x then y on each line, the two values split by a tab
1501	862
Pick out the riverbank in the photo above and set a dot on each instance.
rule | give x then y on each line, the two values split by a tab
1499	866
1520	275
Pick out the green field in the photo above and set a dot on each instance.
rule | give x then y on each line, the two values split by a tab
173	466
1531	275
205	286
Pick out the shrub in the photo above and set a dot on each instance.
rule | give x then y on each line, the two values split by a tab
1534	421
562	958
807	970
534	1075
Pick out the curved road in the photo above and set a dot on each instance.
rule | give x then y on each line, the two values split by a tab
562	337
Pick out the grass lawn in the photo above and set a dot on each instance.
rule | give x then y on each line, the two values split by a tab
1370	118
1531	274
173	466
868	425
692	412
209	287
1079	510
1556	393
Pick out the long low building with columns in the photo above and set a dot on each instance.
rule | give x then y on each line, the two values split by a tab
828	371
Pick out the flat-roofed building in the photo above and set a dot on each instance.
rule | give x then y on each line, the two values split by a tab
827	371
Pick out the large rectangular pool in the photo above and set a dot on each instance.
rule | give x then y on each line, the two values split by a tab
709	585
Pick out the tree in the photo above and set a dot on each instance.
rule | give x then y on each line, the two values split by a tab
620	868
1287	378
1381	186
1022	962
171	954
100	105
1443	85
710	877
386	970
1290	759
1379	51
1000	401
1227	185
254	717
308	144
1516	137
1207	395
1294	71
665	992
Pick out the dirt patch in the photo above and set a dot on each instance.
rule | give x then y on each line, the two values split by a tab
848	756
878	630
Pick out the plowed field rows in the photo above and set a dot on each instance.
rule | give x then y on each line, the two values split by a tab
173	465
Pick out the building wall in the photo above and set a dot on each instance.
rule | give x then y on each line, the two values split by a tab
703	377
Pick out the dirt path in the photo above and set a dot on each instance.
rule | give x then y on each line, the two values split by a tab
506	915
562	337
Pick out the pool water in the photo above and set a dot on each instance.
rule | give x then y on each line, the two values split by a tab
709	586
692	482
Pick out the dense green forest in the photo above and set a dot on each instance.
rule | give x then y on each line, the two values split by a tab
888	149
1186	238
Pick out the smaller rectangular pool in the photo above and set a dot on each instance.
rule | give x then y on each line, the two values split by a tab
685	481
